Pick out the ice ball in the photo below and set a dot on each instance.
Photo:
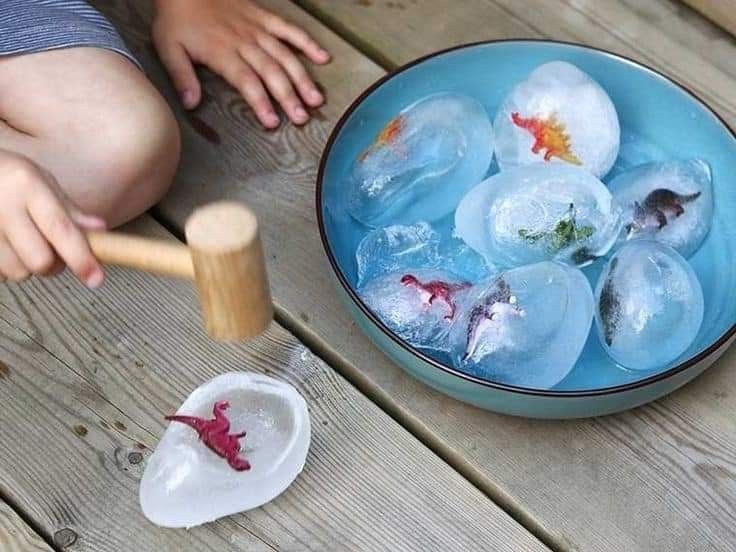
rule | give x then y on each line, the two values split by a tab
422	162
649	305
417	305
535	212
185	483
525	327
410	247
559	114
392	248
670	202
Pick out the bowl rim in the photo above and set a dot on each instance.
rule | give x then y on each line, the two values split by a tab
419	355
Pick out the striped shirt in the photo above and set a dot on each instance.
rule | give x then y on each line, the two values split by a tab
37	25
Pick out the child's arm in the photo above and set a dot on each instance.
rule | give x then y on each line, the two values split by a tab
246	44
40	230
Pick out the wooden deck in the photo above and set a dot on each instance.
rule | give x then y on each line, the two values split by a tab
85	378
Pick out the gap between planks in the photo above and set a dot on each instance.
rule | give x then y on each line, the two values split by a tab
349	36
321	349
27	520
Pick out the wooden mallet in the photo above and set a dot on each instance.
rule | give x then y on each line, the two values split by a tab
223	256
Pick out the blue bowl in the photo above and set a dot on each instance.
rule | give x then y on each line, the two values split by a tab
659	118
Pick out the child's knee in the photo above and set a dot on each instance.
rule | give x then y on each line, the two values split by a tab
98	125
136	159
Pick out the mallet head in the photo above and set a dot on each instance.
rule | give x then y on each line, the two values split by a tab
229	270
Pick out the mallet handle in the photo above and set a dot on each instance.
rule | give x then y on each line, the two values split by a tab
150	255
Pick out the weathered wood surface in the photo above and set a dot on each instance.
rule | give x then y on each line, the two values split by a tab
85	379
660	33
721	12
659	478
16	536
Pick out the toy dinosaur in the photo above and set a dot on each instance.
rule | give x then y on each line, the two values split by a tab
657	205
610	306
437	289
388	135
487	311
549	134
216	435
565	232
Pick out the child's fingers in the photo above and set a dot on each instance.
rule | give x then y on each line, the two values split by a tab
29	245
11	267
180	68
240	75
277	82
65	237
297	37
293	67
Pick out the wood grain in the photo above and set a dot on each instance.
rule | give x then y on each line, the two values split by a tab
16	536
87	380
659	478
721	12
402	30
164	258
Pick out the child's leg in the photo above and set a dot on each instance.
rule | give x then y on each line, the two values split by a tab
92	119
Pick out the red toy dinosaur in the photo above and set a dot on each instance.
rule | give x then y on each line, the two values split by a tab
216	435
436	289
549	134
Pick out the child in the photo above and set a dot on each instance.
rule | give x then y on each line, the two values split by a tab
87	142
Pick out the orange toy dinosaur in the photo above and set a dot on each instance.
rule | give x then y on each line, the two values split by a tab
549	134
388	135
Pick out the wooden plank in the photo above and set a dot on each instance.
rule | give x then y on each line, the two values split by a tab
389	32
692	32
658	478
397	31
16	536
721	12
86	378
393	28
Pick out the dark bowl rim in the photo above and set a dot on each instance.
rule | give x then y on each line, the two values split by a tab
439	365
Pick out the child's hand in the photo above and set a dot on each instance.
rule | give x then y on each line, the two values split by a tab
245	44
40	231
